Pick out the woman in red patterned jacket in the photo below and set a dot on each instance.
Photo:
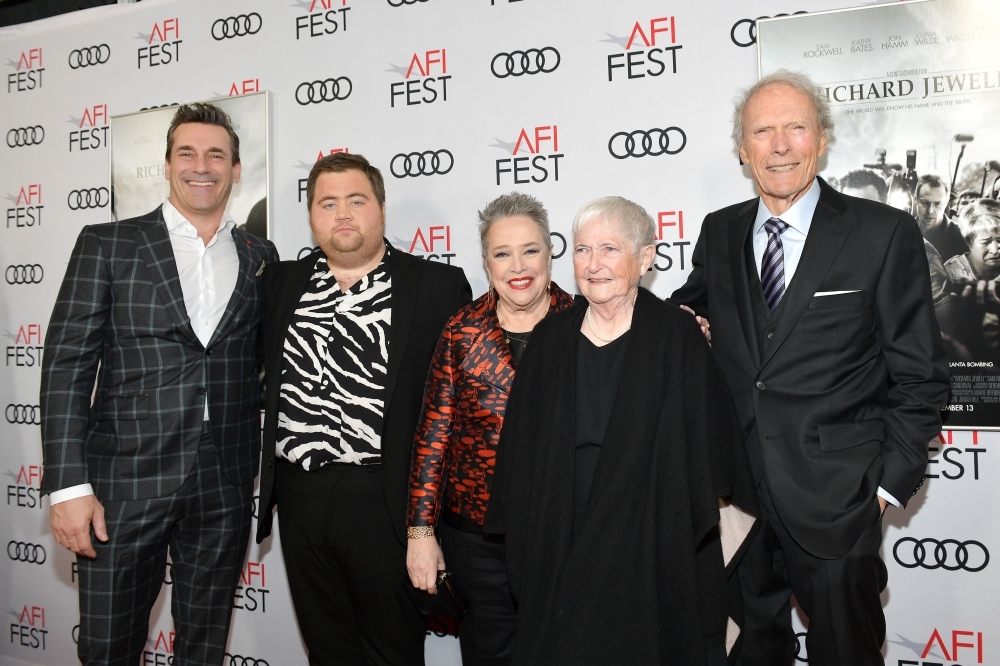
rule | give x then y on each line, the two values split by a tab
457	435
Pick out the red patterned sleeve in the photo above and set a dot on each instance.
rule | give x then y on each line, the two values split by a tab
434	430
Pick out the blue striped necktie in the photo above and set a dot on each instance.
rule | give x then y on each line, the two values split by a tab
772	266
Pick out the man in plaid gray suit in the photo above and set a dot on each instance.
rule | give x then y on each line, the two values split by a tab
162	312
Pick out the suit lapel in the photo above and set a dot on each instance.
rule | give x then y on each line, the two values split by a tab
738	233
152	241
243	292
402	299
827	234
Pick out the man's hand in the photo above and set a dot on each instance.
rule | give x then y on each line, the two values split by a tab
71	521
882	503
703	322
423	561
984	293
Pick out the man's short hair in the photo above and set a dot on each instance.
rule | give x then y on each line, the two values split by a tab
799	82
932	180
339	163
858	179
206	114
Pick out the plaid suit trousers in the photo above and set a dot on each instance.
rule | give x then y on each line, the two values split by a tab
205	526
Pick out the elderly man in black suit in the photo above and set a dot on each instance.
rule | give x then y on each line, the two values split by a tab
348	335
163	311
824	328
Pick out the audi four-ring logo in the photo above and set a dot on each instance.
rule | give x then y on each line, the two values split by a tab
23	414
237	26
327	90
531	61
31	553
947	554
25	136
24	274
643	143
240	660
400	3
92	55
95	197
427	163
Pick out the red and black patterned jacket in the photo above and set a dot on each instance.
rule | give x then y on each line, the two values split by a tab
464	402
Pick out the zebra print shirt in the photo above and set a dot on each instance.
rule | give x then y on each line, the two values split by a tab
336	353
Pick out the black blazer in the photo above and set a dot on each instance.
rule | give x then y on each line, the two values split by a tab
424	295
850	389
120	306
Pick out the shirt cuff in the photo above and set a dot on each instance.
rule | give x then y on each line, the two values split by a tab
73	492
884	494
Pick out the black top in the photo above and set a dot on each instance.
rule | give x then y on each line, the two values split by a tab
947	238
598	370
516	342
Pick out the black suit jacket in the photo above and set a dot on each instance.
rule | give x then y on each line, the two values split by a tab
121	308
849	391
424	295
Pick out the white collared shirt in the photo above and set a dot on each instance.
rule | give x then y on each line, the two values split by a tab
799	219
208	276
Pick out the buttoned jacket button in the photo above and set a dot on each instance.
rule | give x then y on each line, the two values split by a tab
201	390
760	386
770	334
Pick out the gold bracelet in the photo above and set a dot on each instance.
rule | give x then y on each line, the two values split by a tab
419	532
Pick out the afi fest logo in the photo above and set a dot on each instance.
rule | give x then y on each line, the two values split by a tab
27	74
956	647
29	631
163	44
420	85
670	223
92	129
303	182
323	17
244	87
27	209
431	243
26	352
251	592
162	653
534	156
26	491
956	462
650	49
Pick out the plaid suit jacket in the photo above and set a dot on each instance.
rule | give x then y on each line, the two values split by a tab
120	319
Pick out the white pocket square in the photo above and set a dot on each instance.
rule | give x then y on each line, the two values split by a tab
834	293
260	270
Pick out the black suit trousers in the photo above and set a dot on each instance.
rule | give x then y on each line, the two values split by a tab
205	525
840	597
346	567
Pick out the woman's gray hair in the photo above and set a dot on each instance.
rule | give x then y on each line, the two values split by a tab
979	215
799	82
515	204
632	220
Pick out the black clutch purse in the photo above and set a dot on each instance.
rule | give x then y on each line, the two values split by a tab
449	601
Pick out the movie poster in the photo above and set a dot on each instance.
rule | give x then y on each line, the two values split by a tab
915	93
138	145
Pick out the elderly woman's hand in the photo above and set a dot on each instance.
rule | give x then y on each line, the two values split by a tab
703	322
423	561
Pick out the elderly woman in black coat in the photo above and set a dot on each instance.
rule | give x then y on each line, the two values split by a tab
618	450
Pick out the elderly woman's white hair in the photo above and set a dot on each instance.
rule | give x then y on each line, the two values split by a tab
631	219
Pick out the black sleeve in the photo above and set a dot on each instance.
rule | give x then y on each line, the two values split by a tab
694	292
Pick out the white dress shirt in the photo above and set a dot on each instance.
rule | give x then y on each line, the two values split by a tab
799	219
208	276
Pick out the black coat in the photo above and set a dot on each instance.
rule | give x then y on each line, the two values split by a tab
424	295
644	581
849	387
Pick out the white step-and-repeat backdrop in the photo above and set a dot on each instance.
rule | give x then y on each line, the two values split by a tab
563	99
